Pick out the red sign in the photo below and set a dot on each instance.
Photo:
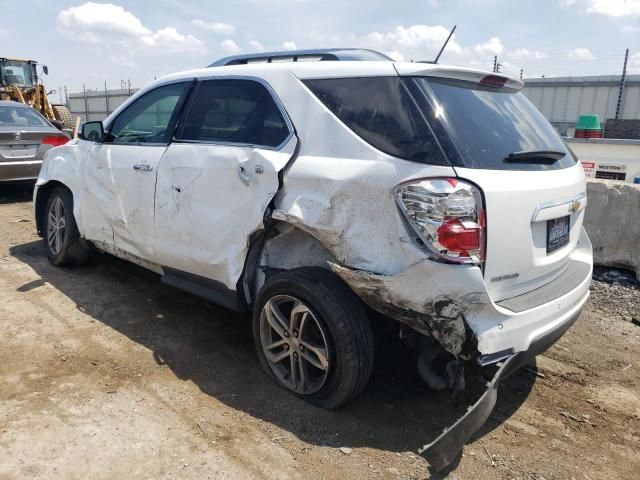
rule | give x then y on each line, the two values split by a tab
589	168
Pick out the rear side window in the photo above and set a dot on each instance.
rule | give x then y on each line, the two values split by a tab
480	126
235	111
381	111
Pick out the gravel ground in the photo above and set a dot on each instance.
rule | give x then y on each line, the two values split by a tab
106	373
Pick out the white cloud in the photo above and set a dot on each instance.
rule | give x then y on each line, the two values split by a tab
169	39
106	23
215	27
230	47
581	54
493	46
415	38
289	46
612	8
523	53
256	45
631	28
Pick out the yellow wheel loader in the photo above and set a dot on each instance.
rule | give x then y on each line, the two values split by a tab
19	82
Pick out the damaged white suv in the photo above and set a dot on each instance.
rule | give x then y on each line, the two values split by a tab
315	187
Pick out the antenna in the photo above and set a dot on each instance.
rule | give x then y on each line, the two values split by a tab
445	44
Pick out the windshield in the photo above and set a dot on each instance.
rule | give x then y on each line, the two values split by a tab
11	116
15	72
480	126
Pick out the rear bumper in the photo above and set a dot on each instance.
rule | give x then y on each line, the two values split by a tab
441	452
19	170
441	300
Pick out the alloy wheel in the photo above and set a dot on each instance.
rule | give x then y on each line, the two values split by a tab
295	344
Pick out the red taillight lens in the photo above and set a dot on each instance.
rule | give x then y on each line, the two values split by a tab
448	216
54	140
460	237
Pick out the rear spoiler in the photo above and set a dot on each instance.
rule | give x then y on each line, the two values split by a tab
453	73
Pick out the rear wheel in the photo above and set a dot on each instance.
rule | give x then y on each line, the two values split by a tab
62	240
63	114
313	336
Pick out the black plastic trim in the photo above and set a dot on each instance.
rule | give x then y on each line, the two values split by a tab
203	287
444	449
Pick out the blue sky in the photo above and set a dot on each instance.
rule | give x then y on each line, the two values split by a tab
93	42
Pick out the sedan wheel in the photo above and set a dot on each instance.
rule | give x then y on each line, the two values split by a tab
294	344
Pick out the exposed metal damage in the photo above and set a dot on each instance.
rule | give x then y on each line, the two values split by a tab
442	317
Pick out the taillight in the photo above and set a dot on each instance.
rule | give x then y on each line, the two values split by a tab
54	140
448	217
493	81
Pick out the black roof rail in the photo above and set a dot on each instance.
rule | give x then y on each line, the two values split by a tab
319	54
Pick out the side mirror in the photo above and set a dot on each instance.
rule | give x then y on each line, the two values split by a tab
92	131
45	69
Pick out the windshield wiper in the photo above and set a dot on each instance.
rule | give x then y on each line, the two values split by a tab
526	155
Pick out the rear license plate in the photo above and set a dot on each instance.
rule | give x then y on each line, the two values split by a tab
557	233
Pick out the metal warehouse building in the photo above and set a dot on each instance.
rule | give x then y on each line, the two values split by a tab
563	99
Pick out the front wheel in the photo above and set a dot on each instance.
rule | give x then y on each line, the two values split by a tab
313	337
62	240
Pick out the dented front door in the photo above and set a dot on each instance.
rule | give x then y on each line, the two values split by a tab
209	200
120	174
120	183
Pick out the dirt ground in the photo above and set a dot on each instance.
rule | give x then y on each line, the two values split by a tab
106	373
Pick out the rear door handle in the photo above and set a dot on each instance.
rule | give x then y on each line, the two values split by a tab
143	167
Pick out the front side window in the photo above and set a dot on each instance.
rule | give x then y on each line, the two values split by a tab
381	111
150	118
235	111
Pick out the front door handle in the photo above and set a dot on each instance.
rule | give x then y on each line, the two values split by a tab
143	167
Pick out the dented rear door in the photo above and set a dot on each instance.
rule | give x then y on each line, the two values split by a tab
216	180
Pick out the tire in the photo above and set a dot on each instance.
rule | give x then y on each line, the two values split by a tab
62	240
327	312
63	115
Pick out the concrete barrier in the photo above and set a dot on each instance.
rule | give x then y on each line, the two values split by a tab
613	223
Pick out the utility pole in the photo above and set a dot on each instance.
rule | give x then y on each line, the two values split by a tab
106	98
622	79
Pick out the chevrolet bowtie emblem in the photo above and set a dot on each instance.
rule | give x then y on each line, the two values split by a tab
574	206
17	136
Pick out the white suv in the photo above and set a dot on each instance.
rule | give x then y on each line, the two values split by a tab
315	192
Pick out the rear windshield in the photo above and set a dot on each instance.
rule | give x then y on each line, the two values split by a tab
443	122
480	126
11	116
381	111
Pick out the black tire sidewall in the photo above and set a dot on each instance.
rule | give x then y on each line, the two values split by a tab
71	230
341	383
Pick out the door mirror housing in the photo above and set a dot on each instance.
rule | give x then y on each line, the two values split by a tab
45	70
92	131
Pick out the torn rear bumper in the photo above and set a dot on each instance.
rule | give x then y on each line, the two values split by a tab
444	449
